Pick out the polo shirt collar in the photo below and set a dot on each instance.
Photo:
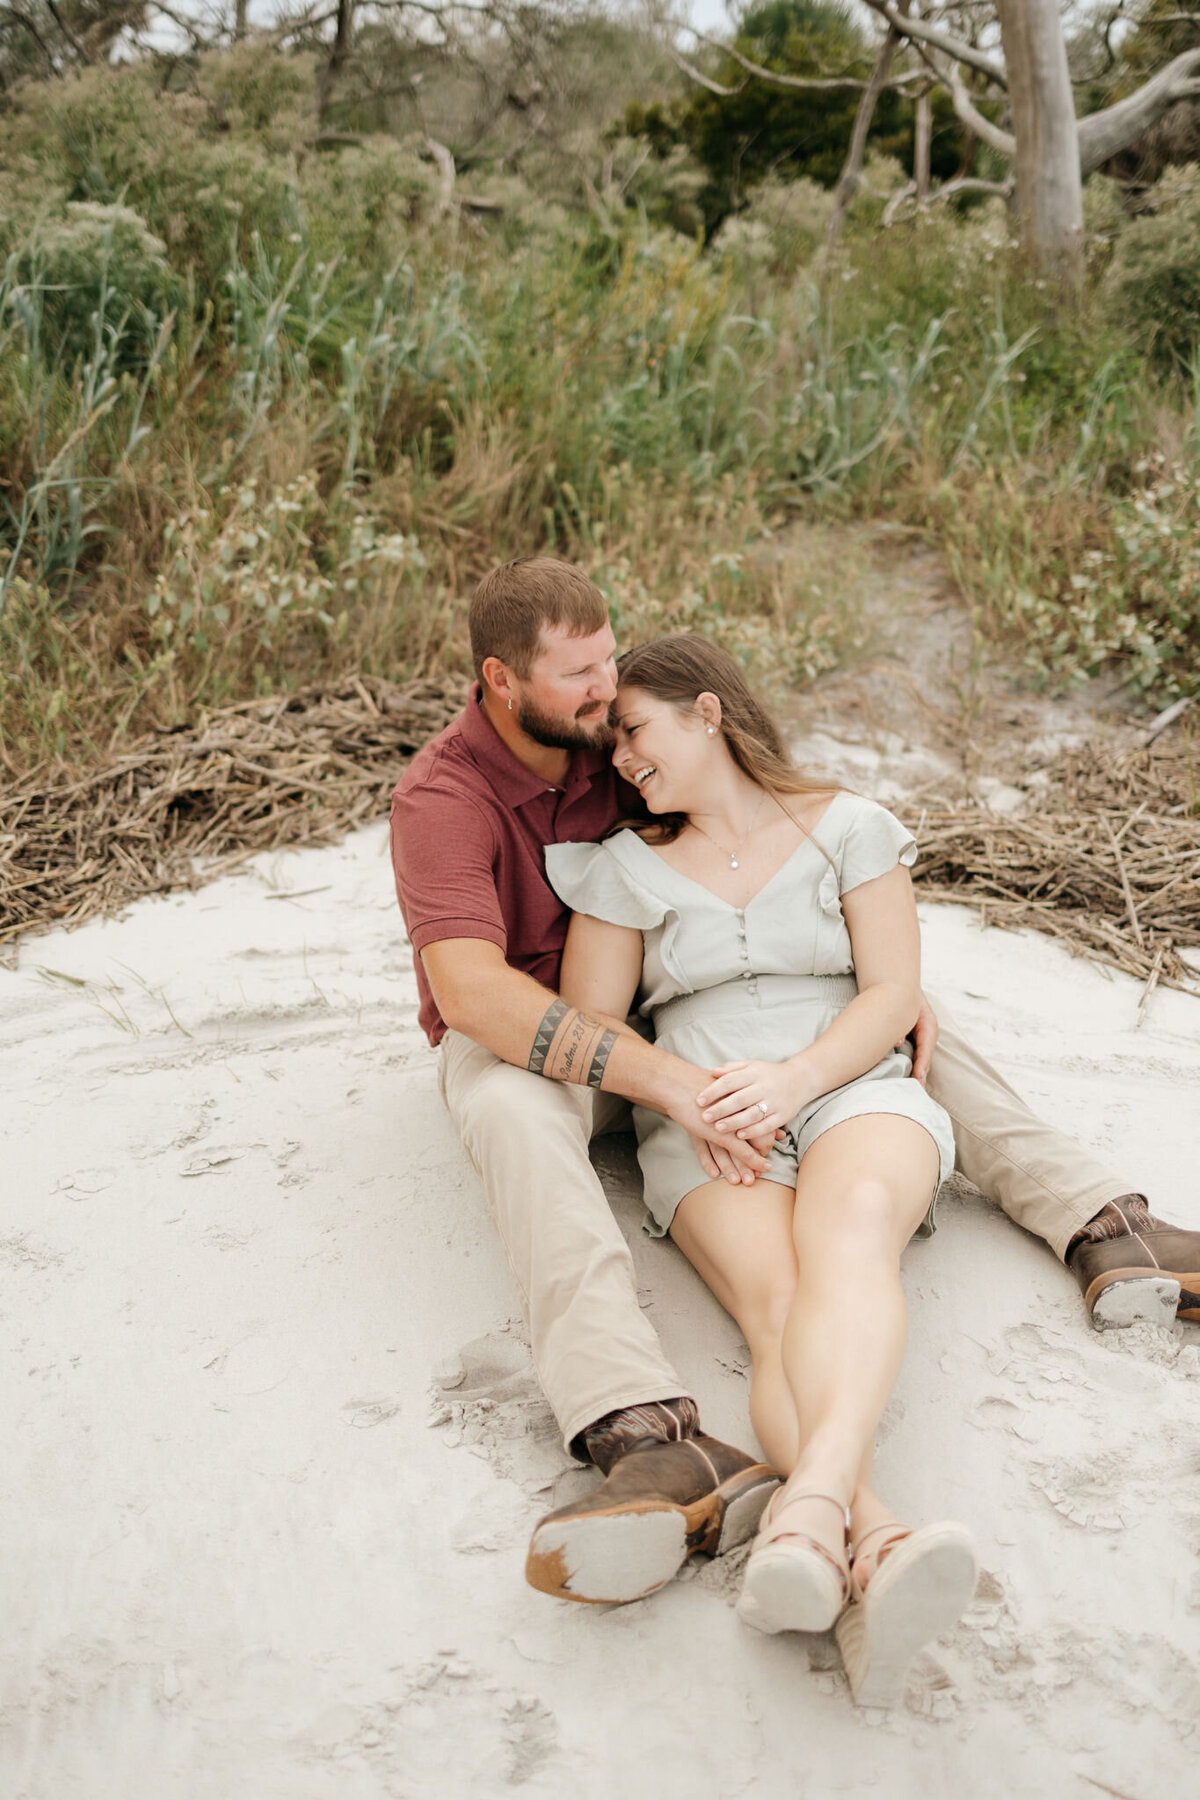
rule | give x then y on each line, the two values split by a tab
512	781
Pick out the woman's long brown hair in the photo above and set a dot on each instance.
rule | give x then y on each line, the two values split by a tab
678	670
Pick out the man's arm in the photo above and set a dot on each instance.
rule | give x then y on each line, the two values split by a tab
517	1019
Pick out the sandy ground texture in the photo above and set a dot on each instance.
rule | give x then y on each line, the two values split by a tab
272	1449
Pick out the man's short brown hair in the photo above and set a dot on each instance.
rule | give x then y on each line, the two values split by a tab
513	603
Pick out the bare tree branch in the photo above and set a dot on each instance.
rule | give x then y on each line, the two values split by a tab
824	83
848	182
704	81
962	184
1104	134
22	19
188	25
55	12
919	32
445	163
968	112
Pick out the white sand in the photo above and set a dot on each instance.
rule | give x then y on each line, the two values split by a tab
244	1557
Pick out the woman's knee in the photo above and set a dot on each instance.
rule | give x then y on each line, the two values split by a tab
860	1218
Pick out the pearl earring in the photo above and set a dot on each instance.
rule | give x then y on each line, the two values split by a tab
712	731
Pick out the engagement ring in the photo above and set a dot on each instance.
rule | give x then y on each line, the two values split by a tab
763	1108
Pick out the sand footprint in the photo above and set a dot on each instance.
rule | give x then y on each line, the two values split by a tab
1094	1491
487	1397
449	1729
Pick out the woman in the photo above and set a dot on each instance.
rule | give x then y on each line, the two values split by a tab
766	924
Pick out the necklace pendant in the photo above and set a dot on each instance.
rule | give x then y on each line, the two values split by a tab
734	863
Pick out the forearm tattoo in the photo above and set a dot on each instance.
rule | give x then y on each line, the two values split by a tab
568	1046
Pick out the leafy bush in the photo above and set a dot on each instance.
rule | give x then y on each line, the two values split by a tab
781	228
99	269
1153	283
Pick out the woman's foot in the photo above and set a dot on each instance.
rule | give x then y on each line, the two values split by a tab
798	1575
907	1587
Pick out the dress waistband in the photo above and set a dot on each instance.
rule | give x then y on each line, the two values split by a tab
751	992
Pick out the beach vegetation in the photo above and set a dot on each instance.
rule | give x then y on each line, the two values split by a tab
279	380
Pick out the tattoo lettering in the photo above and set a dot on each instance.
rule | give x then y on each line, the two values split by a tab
544	1036
568	1046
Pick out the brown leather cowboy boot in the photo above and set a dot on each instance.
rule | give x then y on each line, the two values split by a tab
1131	1266
658	1505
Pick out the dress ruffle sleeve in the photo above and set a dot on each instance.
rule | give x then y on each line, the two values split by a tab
612	881
592	879
873	843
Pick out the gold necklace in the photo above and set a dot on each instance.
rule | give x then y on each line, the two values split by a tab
724	848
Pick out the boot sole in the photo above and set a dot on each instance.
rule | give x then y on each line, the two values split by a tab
926	1594
623	1553
1116	1300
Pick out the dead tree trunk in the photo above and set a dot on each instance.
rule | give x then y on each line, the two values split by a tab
1049	191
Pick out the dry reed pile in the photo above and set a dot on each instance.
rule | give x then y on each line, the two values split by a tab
1109	861
181	806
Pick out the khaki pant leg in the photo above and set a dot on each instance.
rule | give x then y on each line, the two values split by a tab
593	1347
1043	1179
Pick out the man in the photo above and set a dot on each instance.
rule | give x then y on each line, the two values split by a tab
529	1079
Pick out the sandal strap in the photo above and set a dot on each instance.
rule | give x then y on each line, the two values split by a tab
900	1532
893	1525
770	1530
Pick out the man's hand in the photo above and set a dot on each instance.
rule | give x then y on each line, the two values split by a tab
925	1037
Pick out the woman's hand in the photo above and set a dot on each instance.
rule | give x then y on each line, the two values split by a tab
753	1098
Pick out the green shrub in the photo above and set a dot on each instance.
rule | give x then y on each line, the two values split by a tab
780	229
98	269
1153	283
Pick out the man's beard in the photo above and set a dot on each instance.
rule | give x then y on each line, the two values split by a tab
562	734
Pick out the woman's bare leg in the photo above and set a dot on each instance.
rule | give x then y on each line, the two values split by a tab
740	1243
862	1190
813	1280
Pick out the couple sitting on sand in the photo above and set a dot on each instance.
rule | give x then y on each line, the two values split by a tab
593	835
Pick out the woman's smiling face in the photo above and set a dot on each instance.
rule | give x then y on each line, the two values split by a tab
661	749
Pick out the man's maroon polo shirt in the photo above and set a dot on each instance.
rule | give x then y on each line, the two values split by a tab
469	827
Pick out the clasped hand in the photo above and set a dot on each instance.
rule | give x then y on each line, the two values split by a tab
752	1099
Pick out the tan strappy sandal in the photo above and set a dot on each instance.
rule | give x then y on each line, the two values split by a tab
792	1582
922	1582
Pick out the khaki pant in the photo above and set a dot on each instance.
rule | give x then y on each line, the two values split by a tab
593	1348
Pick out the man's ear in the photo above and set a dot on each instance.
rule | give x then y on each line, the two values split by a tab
709	709
498	677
